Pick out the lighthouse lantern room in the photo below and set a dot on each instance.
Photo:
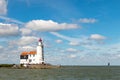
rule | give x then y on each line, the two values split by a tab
33	57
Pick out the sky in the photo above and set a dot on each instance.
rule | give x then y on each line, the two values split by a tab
74	32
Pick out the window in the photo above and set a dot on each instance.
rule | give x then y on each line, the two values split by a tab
24	57
30	60
33	55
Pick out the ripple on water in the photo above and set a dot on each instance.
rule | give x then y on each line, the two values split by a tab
64	73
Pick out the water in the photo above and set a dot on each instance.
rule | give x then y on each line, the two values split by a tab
64	73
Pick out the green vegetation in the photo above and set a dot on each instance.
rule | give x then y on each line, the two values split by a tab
6	65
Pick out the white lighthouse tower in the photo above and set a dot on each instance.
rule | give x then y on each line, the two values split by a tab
40	54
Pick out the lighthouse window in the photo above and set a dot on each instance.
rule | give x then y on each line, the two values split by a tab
33	55
24	57
30	60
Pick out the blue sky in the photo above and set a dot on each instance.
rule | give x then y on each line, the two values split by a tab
75	32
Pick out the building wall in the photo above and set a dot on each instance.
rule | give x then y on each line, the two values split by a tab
32	59
24	61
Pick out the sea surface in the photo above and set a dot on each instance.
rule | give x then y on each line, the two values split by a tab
63	73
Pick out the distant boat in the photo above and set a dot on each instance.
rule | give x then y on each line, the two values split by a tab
108	64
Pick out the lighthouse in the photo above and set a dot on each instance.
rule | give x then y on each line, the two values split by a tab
35	56
40	55
35	59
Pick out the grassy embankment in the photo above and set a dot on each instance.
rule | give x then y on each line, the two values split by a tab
6	65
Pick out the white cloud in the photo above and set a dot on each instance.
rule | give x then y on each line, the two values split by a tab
24	40
87	20
103	52
27	48
49	25
74	43
27	40
97	37
58	41
25	31
3	7
8	29
82	40
72	56
1	47
71	50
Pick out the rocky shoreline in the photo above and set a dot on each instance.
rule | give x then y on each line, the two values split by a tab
29	66
36	66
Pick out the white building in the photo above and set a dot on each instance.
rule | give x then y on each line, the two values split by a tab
33	57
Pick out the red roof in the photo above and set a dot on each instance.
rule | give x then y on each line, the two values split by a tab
31	52
24	53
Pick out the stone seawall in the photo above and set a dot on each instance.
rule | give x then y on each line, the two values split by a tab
36	66
41	66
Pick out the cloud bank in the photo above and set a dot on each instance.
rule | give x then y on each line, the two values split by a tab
25	31
3	7
87	20
24	40
58	41
8	29
97	37
49	25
